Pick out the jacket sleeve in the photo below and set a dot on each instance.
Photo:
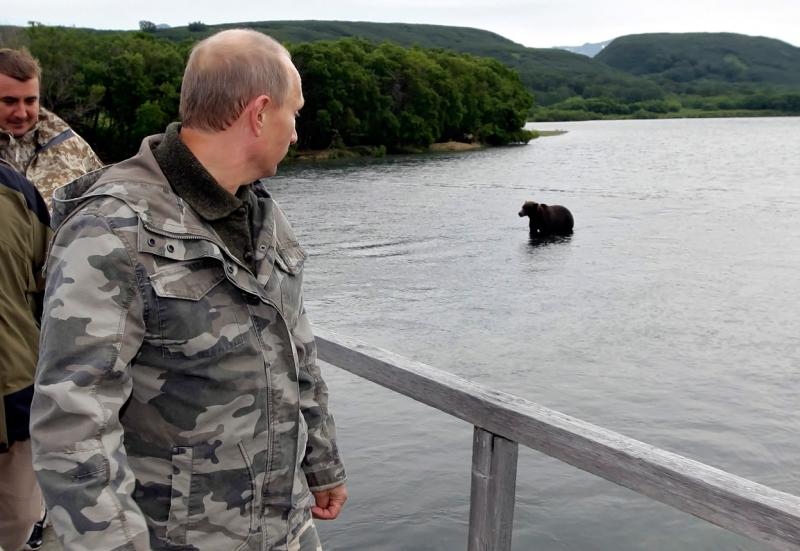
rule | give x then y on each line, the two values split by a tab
91	161
18	332
23	244
322	465
92	327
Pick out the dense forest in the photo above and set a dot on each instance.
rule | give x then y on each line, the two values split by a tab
116	87
360	94
379	87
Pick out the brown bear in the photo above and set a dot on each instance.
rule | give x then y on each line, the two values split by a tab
547	219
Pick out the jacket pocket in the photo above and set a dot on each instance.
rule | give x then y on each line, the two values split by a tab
191	280
199	313
213	499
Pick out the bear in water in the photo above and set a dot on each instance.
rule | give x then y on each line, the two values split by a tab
547	219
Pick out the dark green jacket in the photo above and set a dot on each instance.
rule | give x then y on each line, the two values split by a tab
24	233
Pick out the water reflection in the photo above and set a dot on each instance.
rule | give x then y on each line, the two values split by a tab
540	240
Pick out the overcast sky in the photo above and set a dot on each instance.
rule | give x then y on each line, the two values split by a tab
537	23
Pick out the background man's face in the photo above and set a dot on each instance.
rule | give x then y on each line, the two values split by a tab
19	104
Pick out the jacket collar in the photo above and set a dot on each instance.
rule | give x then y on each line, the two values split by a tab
142	185
190	179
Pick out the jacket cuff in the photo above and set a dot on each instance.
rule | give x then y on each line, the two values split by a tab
324	479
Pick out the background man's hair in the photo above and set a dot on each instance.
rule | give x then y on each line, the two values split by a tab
19	64
225	72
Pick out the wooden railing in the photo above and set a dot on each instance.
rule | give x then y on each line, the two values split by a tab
502	421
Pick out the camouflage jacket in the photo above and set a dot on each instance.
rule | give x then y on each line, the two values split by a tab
50	155
177	392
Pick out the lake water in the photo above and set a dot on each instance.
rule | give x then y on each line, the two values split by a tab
670	316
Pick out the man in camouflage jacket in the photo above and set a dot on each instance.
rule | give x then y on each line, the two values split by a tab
178	402
36	142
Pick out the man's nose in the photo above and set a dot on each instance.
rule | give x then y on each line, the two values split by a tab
18	110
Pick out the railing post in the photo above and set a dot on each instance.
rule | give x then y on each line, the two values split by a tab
494	482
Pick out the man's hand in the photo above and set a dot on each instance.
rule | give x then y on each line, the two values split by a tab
329	503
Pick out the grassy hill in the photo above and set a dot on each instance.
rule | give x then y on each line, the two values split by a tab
690	62
551	74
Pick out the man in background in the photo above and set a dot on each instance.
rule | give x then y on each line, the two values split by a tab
24	233
178	402
37	143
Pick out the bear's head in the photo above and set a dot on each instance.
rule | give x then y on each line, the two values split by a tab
530	209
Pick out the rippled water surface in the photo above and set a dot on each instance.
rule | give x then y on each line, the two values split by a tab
670	316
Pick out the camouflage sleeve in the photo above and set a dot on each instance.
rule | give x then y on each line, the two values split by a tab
322	465
92	326
92	161
87	156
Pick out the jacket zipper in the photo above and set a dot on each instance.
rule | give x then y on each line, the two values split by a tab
194	237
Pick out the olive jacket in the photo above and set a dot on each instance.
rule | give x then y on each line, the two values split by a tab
24	232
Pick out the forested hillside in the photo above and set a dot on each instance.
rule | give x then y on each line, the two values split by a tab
692	62
616	83
552	75
714	74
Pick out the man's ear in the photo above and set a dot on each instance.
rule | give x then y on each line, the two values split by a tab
258	113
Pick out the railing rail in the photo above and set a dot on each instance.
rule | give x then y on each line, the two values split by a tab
502	420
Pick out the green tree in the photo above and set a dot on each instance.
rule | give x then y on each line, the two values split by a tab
116	87
100	82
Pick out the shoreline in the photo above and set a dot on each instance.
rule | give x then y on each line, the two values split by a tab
580	115
360	152
550	133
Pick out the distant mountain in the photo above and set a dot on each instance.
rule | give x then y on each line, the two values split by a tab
551	74
589	49
686	60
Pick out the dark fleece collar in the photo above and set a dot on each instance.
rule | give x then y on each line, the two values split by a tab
190	180
229	216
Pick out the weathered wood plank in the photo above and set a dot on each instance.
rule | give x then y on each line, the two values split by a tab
494	483
734	503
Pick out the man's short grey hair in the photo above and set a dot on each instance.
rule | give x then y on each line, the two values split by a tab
226	71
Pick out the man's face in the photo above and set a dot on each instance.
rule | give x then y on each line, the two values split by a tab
19	104
279	125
